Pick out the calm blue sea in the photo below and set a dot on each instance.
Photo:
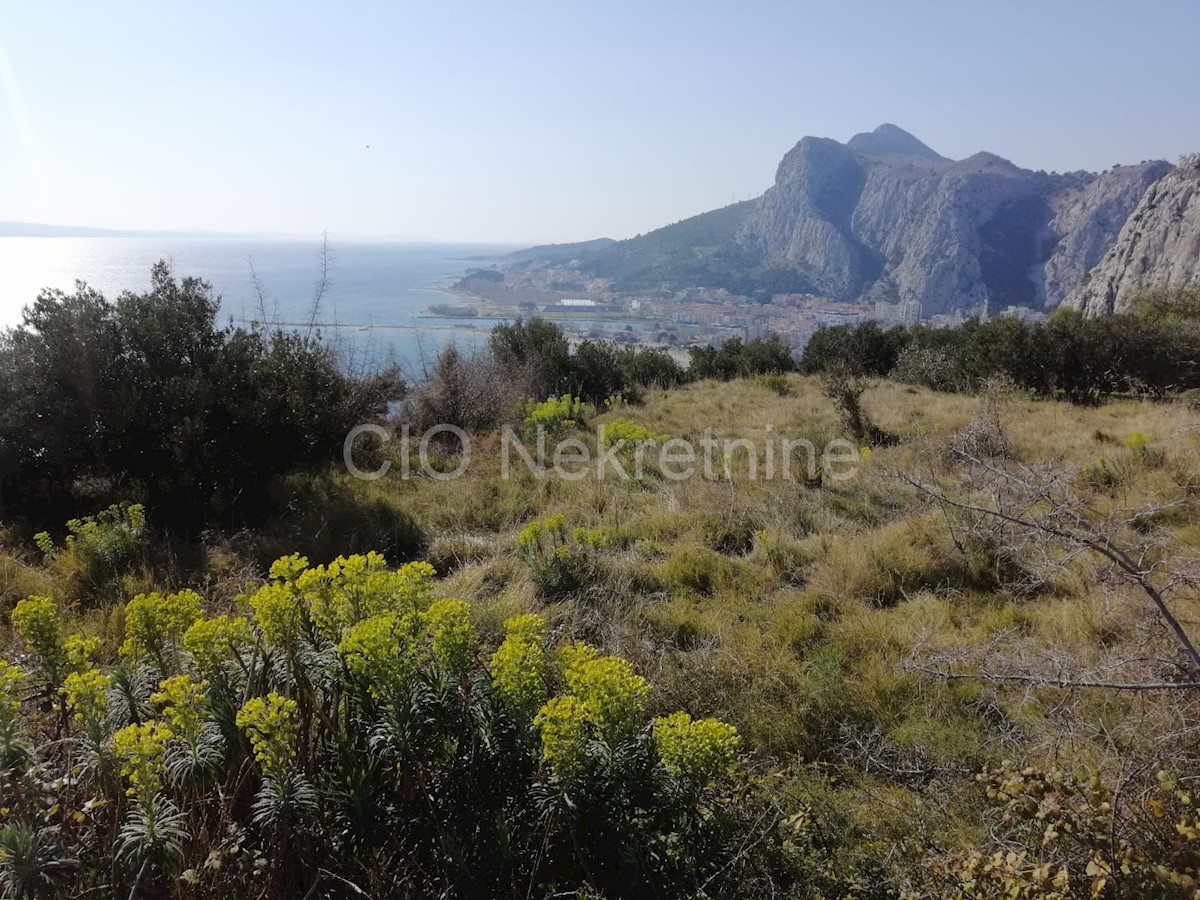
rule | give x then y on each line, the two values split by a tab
377	293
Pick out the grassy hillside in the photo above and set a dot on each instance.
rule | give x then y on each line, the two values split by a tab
876	649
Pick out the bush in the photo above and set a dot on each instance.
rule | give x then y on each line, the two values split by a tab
630	433
864	350
846	393
561	561
99	547
776	382
600	369
552	417
1077	359
147	394
308	731
1059	835
643	367
736	359
534	355
467	392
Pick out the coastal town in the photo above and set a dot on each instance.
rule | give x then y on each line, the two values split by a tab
676	320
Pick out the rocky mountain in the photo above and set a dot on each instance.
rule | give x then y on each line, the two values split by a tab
1159	244
885	217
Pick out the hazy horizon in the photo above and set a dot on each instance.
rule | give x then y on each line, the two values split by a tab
534	123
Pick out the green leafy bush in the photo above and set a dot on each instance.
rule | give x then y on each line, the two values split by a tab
737	359
148	393
352	691
98	548
551	417
630	433
1151	352
776	382
561	560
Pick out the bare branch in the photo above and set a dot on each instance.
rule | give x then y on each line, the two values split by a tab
1050	680
322	284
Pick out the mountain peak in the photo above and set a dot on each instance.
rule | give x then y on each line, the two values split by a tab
892	140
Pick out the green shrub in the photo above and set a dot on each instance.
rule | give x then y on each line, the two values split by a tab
561	561
702	571
551	417
148	393
1078	359
630	433
98	548
1144	451
354	690
737	359
776	382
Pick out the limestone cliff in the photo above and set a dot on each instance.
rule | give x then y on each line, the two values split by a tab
884	216
1159	244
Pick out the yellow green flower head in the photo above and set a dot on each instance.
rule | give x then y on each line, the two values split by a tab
529	626
183	700
519	662
141	749
277	611
353	588
698	750
571	657
589	537
39	624
452	634
1138	442
155	621
80	652
563	725
412	583
212	642
12	682
611	692
554	415
529	534
384	650
87	695
631	433
271	724
45	543
288	568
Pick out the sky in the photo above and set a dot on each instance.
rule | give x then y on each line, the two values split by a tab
533	122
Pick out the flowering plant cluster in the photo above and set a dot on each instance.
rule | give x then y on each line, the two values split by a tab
630	433
354	708
39	623
155	624
142	750
551	417
270	722
560	559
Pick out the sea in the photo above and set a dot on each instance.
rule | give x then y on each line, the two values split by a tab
374	308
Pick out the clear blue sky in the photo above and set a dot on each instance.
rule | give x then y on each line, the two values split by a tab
560	121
